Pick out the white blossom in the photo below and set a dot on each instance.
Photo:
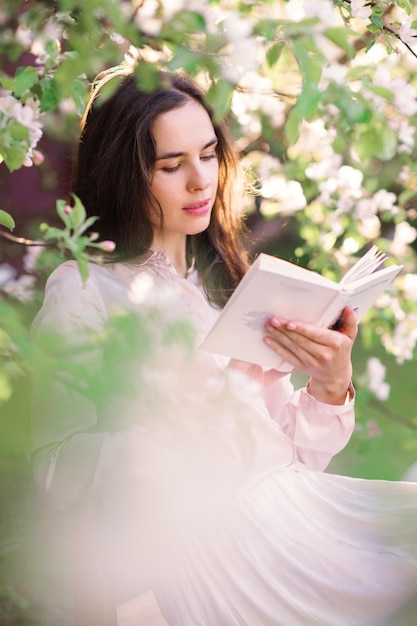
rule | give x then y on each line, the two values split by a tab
407	34
31	257
405	97
410	286
376	373
407	136
27	114
7	273
403	341
22	289
404	235
323	10
288	193
360	9
385	201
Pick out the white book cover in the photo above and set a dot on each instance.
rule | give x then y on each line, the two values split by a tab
273	286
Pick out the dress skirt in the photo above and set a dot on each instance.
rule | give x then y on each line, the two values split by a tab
297	548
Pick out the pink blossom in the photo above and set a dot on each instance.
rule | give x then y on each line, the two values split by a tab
108	245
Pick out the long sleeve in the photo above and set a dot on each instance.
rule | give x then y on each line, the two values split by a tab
318	430
66	440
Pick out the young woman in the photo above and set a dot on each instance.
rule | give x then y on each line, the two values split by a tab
205	477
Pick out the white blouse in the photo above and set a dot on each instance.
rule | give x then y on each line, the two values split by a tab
76	443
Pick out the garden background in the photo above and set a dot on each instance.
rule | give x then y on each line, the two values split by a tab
321	96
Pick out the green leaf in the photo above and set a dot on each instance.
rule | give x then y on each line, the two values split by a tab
78	213
377	141
14	157
353	109
309	60
404	4
266	28
83	267
292	126
7	83
339	36
6	220
25	78
60	205
273	53
79	92
308	101
147	76
18	132
50	96
185	59
219	96
377	21
52	232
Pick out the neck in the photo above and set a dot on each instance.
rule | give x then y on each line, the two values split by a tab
175	251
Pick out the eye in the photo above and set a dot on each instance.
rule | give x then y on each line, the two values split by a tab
208	157
169	170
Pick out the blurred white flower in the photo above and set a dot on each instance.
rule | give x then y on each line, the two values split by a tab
323	10
27	114
31	258
403	341
22	289
385	201
376	373
405	97
287	193
146	17
407	136
410	286
23	36
404	235
365	208
360	8
408	34
7	273
370	227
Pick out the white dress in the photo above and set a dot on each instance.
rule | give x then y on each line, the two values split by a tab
221	478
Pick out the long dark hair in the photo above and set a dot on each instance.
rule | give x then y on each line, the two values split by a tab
116	158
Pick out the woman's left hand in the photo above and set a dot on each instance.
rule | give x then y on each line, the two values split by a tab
321	353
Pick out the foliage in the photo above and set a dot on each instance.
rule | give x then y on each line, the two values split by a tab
321	96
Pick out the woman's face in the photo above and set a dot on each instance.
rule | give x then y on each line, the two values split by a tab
186	171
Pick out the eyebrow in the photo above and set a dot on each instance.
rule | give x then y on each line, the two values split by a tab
172	155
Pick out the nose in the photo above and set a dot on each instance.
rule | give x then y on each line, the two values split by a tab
198	178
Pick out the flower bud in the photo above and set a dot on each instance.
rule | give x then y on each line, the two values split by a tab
67	209
37	157
108	245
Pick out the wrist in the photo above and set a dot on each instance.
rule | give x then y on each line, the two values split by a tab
330	393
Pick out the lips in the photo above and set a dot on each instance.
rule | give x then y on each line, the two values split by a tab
198	208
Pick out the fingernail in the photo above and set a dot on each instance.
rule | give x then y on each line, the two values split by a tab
291	326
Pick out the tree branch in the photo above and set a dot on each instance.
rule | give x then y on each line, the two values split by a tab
389	30
22	241
393	415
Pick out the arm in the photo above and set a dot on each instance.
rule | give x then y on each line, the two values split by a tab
320	418
66	441
318	430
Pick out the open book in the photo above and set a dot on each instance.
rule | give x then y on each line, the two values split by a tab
273	286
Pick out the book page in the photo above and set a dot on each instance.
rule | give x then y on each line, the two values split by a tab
263	292
239	330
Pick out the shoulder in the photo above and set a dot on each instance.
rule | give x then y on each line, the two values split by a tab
70	301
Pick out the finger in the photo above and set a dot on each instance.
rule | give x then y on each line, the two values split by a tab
350	323
297	347
303	332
